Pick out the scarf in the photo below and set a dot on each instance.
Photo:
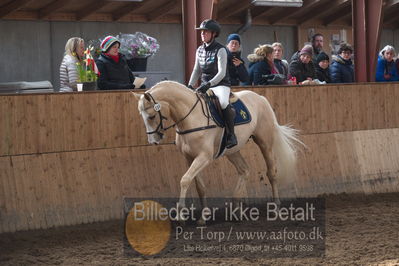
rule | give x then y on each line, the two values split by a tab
113	57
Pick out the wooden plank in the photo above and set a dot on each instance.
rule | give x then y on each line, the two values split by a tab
36	194
23	205
6	199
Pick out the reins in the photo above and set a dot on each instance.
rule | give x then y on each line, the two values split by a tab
157	108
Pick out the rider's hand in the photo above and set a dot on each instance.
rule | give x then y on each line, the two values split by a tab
191	87
204	87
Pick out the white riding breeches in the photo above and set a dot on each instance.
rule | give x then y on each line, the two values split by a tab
223	94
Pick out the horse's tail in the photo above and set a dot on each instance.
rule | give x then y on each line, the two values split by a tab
285	147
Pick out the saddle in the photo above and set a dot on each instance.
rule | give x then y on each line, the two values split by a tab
242	115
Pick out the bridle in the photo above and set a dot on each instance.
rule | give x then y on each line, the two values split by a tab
160	127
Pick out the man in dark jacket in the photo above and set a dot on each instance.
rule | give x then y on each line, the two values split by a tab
235	65
341	69
114	71
301	66
317	44
322	67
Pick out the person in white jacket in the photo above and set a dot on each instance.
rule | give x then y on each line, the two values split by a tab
74	52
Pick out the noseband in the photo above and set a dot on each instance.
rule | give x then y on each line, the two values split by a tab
160	127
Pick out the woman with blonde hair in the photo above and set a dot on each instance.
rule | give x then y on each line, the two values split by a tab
74	51
280	63
386	68
261	65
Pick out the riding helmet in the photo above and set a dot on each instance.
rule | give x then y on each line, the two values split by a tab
211	25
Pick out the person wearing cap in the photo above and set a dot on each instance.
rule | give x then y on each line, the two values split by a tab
74	52
322	67
211	66
301	66
235	65
115	73
386	68
341	68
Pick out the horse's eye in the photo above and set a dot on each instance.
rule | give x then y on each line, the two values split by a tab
151	117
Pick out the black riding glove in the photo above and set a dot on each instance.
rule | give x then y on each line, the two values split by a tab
191	87
204	87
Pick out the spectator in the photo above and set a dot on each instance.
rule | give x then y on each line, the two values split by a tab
301	66
114	71
386	68
317	44
322	67
261	65
279	62
341	68
235	65
74	51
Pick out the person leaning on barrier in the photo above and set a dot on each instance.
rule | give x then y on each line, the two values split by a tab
341	68
301	66
386	67
280	63
235	64
115	73
261	67
74	52
322	67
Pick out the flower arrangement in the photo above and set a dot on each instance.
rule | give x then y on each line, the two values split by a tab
138	45
88	69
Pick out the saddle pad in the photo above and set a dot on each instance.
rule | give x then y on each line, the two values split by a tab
242	114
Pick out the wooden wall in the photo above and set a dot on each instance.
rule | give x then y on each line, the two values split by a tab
71	158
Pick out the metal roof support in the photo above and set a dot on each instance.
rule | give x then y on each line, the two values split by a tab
367	18
194	11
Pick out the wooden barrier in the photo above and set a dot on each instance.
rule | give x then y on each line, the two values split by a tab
71	158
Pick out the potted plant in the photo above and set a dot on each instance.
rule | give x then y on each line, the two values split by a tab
138	48
88	72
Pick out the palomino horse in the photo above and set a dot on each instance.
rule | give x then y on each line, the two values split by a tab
171	101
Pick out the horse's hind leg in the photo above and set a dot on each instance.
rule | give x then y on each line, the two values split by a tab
242	167
271	166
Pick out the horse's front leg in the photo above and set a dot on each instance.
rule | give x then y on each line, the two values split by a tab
201	189
197	165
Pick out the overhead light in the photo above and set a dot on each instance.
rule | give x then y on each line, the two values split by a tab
284	3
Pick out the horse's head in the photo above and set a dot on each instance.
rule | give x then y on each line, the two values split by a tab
154	114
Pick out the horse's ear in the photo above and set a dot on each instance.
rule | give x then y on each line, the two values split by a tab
137	96
147	97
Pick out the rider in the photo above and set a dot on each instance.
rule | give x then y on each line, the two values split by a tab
211	65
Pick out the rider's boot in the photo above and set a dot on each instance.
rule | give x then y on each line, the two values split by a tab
228	116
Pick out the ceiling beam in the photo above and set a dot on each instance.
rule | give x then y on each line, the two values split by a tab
91	8
342	12
126	9
328	7
234	8
390	3
51	8
278	16
12	6
162	10
260	13
308	5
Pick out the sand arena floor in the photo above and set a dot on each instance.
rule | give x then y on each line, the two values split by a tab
361	230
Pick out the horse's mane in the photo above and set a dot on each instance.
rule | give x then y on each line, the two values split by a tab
168	84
